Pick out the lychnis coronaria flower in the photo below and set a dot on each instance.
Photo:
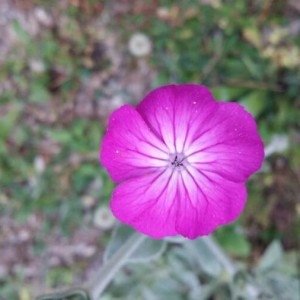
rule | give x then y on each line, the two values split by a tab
181	160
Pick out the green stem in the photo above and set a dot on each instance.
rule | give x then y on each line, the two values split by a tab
113	265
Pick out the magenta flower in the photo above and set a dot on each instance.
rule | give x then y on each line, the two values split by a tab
181	160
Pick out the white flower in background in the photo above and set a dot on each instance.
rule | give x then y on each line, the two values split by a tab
39	164
278	144
43	17
139	45
103	218
36	66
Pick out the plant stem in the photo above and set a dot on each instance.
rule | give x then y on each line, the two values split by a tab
113	265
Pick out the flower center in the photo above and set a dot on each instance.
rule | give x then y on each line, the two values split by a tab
177	160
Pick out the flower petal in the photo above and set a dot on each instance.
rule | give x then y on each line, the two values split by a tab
206	203
182	159
175	112
228	144
147	203
129	148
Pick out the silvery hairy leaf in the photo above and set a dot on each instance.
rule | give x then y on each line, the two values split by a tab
149	249
271	256
204	258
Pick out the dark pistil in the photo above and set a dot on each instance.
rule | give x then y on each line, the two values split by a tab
177	162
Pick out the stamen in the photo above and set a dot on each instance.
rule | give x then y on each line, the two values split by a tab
177	163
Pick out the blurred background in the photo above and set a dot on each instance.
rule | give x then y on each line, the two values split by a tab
65	65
